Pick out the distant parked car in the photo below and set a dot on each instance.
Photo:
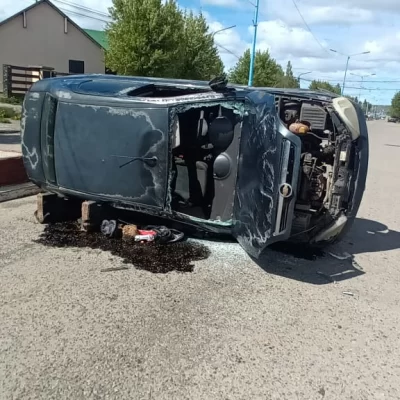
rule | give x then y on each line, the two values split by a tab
393	119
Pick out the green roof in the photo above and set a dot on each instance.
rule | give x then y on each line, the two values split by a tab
99	36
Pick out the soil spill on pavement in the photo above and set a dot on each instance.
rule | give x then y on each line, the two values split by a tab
152	257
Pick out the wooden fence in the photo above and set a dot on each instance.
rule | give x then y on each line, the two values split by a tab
18	80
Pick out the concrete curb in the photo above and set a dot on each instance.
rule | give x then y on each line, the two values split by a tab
13	192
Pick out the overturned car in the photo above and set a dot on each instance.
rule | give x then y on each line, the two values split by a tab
262	164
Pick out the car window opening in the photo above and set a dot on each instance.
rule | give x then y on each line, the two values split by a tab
164	91
205	145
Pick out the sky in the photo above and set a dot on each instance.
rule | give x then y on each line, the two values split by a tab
302	31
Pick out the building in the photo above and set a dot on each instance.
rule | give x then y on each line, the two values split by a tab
42	35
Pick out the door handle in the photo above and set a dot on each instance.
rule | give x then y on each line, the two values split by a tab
150	161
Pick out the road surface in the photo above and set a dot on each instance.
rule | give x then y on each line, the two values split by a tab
231	329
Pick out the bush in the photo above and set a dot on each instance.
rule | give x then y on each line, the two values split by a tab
12	100
7	113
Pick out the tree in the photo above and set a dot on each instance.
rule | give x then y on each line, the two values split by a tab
145	38
288	80
267	72
316	85
200	58
394	110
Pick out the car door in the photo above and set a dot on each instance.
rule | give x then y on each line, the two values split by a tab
268	173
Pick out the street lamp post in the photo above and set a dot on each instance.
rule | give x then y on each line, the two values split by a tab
362	80
347	64
221	30
300	75
253	51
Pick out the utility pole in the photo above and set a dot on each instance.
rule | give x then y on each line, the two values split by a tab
362	80
253	52
347	64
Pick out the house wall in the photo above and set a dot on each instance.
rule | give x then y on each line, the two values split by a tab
43	42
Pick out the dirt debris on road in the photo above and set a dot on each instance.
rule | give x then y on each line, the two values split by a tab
232	329
152	257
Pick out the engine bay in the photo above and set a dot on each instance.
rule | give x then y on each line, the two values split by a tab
206	143
326	155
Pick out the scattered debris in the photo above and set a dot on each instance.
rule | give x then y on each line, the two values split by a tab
129	232
348	293
109	228
328	277
357	265
145	237
154	257
345	256
113	269
165	235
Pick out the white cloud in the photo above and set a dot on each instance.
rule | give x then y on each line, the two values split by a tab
223	3
384	48
344	25
229	42
380	5
317	13
284	41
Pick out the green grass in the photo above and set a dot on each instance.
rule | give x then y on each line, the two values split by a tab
6	114
12	100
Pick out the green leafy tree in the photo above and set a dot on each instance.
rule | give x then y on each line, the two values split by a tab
288	80
267	72
395	107
145	38
318	85
200	58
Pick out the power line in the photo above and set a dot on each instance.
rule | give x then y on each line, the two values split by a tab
229	51
308	27
84	8
353	81
82	15
72	4
378	89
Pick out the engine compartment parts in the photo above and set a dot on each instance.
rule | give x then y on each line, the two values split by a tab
299	128
345	108
327	132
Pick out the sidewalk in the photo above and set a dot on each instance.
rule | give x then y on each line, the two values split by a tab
12	127
11	192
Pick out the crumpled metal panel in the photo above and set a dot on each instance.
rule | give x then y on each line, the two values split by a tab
119	153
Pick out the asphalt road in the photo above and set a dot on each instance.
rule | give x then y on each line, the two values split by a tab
231	329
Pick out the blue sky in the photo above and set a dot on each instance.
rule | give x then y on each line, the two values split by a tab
303	35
